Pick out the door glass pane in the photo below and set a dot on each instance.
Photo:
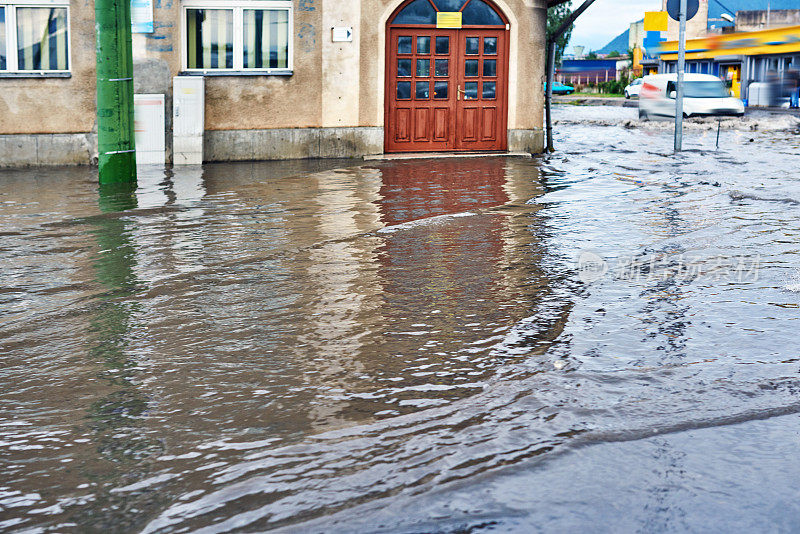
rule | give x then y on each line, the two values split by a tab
490	67
403	90
423	90
209	38
42	38
423	45
478	13
490	46
3	39
471	91
403	68
442	67
417	12
266	38
449	5
443	44
489	90
440	90
423	68
404	45
471	67
473	44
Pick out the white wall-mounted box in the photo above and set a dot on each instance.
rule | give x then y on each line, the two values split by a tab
149	129
188	119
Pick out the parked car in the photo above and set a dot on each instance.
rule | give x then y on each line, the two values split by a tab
633	88
704	95
560	88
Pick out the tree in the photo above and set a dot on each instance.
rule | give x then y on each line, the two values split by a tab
555	16
591	55
613	54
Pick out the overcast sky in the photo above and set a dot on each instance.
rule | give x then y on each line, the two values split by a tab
606	19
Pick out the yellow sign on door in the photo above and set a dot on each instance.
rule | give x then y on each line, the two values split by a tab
448	19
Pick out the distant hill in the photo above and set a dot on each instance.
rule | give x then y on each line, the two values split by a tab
618	44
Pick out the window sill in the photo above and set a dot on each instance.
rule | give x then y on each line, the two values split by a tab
281	72
35	75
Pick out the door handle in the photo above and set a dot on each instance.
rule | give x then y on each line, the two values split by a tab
459	92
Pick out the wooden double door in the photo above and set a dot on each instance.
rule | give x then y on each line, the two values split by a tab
447	90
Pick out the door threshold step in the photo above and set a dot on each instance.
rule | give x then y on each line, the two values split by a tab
444	155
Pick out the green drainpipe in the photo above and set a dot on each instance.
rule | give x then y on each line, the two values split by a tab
117	158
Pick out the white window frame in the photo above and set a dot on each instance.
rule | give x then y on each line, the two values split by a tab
12	63
238	8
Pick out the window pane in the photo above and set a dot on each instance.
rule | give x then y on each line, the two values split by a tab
209	38
417	12
489	90
423	45
403	68
423	90
471	67
473	44
490	45
450	5
442	67
471	91
404	45
3	38
403	90
478	13
423	68
490	67
266	39
42	38
443	45
440	90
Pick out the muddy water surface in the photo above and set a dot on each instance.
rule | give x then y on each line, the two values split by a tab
605	334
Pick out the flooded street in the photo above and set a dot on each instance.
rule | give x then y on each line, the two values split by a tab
603	336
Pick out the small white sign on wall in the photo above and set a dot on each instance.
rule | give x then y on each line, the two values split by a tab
342	34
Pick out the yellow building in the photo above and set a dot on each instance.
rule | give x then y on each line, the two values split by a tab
744	59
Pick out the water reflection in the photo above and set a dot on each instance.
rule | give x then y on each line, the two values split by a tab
249	346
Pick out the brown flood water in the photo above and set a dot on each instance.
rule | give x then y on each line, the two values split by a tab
158	336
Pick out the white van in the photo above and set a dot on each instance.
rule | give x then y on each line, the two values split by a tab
704	95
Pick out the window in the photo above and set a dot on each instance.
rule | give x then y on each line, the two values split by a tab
247	37
34	37
423	12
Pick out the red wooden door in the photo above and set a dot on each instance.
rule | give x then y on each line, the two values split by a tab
446	90
421	92
481	90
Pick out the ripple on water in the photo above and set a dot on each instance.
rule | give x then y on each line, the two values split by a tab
248	346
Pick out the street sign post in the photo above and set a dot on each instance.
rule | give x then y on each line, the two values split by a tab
681	67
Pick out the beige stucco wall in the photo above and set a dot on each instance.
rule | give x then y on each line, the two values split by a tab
56	105
334	85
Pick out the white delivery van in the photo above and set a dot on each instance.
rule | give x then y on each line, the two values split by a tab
704	96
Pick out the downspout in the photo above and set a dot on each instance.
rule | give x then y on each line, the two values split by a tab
550	62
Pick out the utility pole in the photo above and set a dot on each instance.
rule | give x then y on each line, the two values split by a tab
768	13
681	68
117	154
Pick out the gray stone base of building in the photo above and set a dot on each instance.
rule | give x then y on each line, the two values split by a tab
26	150
531	141
292	143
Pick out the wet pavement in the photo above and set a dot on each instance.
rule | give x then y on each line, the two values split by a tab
602	339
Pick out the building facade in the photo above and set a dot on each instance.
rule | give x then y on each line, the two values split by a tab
748	60
286	79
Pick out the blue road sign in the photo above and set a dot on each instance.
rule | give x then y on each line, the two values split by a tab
674	6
